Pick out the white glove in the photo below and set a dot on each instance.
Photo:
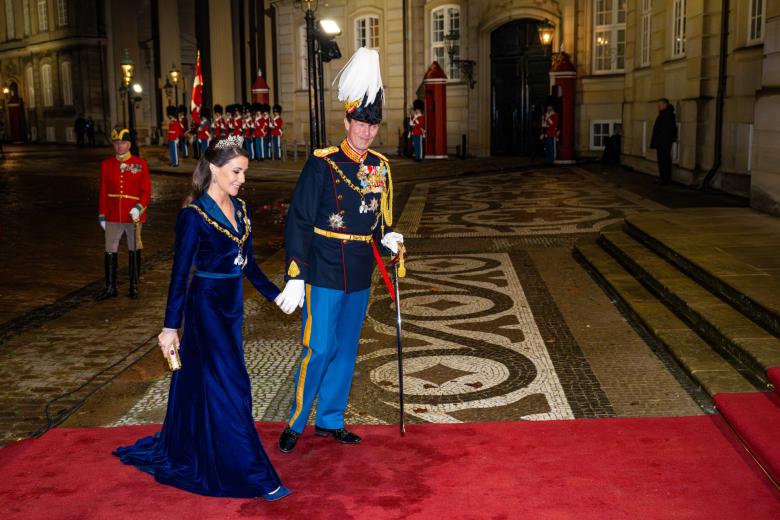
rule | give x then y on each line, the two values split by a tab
135	214
391	241
103	224
291	296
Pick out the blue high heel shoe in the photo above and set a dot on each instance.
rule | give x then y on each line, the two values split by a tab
277	494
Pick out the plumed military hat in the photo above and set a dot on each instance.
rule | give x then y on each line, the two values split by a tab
218	109
120	134
360	87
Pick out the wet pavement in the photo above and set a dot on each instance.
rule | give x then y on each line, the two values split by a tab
501	323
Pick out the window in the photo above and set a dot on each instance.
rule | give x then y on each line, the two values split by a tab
43	16
62	13
367	32
67	85
303	57
646	28
46	85
26	15
756	21
609	35
51	134
30	81
444	21
9	20
601	130
678	27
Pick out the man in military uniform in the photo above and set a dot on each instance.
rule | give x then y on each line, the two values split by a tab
417	132
277	131
340	210
125	192
174	131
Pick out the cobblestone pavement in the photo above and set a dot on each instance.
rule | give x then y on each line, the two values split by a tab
500	322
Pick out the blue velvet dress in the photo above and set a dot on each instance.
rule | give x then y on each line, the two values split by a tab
208	443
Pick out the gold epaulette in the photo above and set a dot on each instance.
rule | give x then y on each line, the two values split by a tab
379	155
324	152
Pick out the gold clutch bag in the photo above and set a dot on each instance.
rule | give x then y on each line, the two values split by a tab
174	362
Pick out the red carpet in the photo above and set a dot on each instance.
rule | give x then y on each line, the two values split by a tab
774	377
586	469
755	416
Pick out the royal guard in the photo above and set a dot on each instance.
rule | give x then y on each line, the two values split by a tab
125	192
237	128
173	136
249	131
220	125
417	129
550	133
267	135
184	125
341	211
261	128
204	129
277	131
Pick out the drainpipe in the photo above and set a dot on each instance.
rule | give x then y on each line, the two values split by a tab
724	42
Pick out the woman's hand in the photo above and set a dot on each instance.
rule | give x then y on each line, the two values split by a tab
168	339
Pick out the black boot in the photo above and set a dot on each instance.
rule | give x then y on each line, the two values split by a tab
110	266
132	267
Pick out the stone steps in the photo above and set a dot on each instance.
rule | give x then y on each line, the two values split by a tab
705	365
745	344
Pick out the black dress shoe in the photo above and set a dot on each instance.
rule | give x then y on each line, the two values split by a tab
342	435
288	439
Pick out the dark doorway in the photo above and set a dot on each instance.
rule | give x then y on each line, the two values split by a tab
520	85
17	131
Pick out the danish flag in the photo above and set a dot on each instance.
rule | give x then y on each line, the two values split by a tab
197	93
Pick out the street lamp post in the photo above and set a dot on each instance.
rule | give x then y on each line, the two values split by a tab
127	77
327	50
174	75
168	89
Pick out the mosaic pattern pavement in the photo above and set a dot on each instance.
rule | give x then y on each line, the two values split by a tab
545	202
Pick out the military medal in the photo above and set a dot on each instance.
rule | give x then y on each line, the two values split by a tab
240	260
363	207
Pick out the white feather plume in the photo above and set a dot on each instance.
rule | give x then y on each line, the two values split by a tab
360	77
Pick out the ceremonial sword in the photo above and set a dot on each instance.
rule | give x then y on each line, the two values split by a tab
399	261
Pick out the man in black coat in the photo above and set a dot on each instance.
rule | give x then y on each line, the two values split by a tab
664	136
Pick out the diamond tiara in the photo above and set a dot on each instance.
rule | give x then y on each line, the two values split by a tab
232	141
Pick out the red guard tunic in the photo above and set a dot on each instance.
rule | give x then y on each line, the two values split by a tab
238	126
418	125
550	125
173	130
123	186
277	130
260	123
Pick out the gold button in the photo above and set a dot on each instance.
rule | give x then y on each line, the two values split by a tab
338	181
344	241
340	196
342	212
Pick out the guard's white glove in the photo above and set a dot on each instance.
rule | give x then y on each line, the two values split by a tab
391	241
135	214
103	224
291	296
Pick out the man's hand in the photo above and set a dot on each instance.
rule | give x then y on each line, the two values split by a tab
391	241
103	224
135	214
292	296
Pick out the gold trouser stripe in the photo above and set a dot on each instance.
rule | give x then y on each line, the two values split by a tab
123	196
342	236
305	362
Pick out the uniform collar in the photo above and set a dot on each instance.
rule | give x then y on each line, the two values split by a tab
123	158
351	153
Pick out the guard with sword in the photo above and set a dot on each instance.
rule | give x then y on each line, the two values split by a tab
339	218
125	192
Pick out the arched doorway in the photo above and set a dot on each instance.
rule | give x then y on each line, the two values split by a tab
520	86
16	126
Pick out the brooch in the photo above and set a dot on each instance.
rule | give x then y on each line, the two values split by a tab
336	221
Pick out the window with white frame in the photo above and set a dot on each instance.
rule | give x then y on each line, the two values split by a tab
46	85
26	16
43	16
29	79
646	28
10	33
62	13
756	21
66	83
600	130
609	35
367	32
445	20
679	9
303	57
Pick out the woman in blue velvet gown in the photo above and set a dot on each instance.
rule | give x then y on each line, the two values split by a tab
208	443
